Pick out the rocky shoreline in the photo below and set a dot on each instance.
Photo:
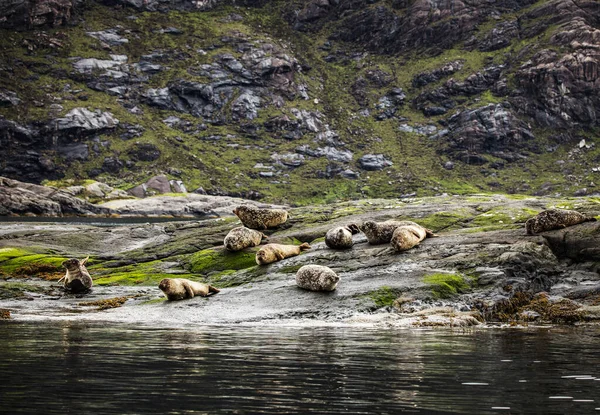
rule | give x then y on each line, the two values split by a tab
481	269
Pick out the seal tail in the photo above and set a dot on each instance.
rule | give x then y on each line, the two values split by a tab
83	262
591	219
304	246
213	290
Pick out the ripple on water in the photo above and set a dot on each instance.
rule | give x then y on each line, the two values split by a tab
115	369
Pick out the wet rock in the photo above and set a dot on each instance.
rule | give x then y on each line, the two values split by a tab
373	162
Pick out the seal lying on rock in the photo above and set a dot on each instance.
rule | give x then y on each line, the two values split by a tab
317	278
242	237
77	279
180	288
341	237
555	219
408	236
276	252
256	218
381	233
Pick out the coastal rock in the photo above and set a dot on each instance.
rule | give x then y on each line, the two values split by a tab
18	198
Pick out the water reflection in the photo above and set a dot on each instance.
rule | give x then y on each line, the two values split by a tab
76	368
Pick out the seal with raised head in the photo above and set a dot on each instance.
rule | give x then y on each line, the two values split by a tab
341	237
408	236
261	219
317	278
180	288
276	252
242	237
381	233
77	279
555	219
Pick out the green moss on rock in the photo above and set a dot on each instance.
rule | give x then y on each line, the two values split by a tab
219	259
445	285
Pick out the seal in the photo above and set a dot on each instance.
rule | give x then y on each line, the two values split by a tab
381	233
180	288
77	279
341	237
261	219
242	237
408	236
276	252
317	278
555	219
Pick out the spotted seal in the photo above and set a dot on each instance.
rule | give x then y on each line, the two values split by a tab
317	278
341	237
408	236
77	279
555	219
381	233
242	237
276	252
261	219
180	288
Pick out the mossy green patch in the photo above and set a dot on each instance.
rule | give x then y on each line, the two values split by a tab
219	259
445	285
18	260
444	221
383	297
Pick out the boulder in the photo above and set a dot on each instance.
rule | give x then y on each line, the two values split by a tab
373	162
579	243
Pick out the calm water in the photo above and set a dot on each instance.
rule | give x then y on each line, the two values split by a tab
72	368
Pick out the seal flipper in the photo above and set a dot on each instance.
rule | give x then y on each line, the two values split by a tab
430	233
304	246
279	255
213	290
188	290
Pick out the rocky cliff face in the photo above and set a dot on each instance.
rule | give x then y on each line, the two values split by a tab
319	99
